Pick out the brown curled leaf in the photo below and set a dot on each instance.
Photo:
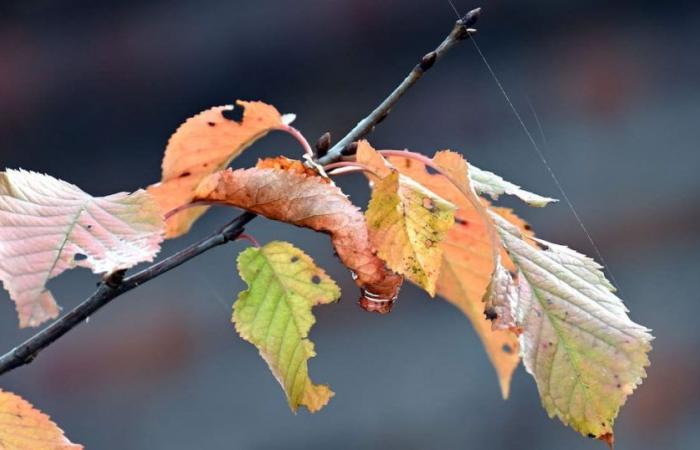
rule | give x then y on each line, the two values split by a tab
309	201
204	144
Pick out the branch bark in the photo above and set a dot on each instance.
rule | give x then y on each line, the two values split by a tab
116	284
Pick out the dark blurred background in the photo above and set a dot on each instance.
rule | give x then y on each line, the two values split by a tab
90	92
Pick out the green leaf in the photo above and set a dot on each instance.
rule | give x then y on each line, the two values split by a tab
577	341
407	223
485	182
274	314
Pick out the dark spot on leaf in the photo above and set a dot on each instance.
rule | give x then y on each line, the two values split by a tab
428	204
462	221
543	246
185	174
407	163
507	348
89	227
211	124
79	257
490	313
527	227
295	259
316	279
619	386
235	114
591	435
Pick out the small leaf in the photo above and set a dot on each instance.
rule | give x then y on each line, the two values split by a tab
274	314
204	144
407	222
489	183
467	265
23	427
290	193
585	353
48	226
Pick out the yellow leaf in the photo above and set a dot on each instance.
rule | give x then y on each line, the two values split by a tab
22	427
407	221
274	314
467	265
204	144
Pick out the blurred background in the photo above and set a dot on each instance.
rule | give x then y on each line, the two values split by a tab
91	91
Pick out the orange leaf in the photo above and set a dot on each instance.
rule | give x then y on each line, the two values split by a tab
204	144
23	427
309	201
467	267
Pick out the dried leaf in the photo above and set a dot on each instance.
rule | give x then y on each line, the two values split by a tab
22	427
309	201
585	353
467	266
204	144
407	221
274	314
48	226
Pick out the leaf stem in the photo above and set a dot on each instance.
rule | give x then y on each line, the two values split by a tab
461	31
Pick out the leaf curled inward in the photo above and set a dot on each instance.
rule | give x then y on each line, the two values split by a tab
585	353
48	226
407	221
307	201
274	314
22	427
204	144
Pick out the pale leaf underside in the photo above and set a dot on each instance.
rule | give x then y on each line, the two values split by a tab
585	353
48	226
275	315
485	182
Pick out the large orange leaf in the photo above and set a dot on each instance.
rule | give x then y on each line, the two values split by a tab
309	201
23	428
467	267
204	144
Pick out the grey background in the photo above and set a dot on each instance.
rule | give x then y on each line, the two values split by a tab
90	92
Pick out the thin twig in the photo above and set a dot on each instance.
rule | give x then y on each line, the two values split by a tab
461	31
116	285
109	289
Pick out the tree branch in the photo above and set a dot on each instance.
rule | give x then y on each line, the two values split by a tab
461	31
116	284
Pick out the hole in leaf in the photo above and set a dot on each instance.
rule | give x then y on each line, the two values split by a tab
430	170
507	349
79	257
235	114
211	124
428	204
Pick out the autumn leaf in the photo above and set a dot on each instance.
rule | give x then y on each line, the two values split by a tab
22	427
274	314
407	221
204	144
467	267
583	350
485	182
48	226
313	202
